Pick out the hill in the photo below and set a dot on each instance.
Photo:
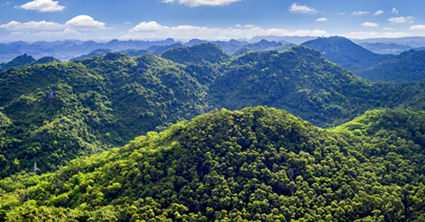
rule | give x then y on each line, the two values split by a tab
195	54
256	164
56	112
97	52
240	51
342	51
407	67
263	45
26	60
298	80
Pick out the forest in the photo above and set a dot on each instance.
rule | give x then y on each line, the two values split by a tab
195	134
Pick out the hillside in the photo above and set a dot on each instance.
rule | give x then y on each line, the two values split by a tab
256	164
298	80
52	113
195	54
97	52
56	112
409	66
26	60
342	51
406	67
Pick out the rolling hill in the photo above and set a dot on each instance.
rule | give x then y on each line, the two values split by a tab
257	164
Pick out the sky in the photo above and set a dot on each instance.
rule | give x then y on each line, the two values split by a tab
104	20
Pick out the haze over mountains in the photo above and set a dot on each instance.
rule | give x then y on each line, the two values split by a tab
66	50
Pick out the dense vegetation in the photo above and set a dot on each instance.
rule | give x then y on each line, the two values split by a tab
258	164
208	52
298	80
56	112
409	66
53	113
342	51
26	60
406	67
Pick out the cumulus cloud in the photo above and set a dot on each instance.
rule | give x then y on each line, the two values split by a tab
196	3
368	35
417	27
379	12
361	13
401	20
46	35
295	8
153	30
323	19
395	11
388	29
370	24
43	25
81	22
84	22
42	6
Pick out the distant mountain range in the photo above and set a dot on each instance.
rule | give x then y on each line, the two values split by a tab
407	67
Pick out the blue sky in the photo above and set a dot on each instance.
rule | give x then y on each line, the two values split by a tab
102	20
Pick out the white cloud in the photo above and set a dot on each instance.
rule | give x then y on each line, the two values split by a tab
400	20
153	30
323	19
84	22
238	26
249	26
388	29
379	12
370	24
417	27
395	11
43	25
295	8
360	13
46	36
127	23
367	35
42	6
341	13
196	3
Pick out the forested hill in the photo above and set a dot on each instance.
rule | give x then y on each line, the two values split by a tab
409	66
52	113
342	51
26	60
257	164
298	80
195	54
406	67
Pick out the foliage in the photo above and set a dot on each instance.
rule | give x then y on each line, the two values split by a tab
26	60
406	67
60	111
257	164
298	80
195	54
241	51
97	52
